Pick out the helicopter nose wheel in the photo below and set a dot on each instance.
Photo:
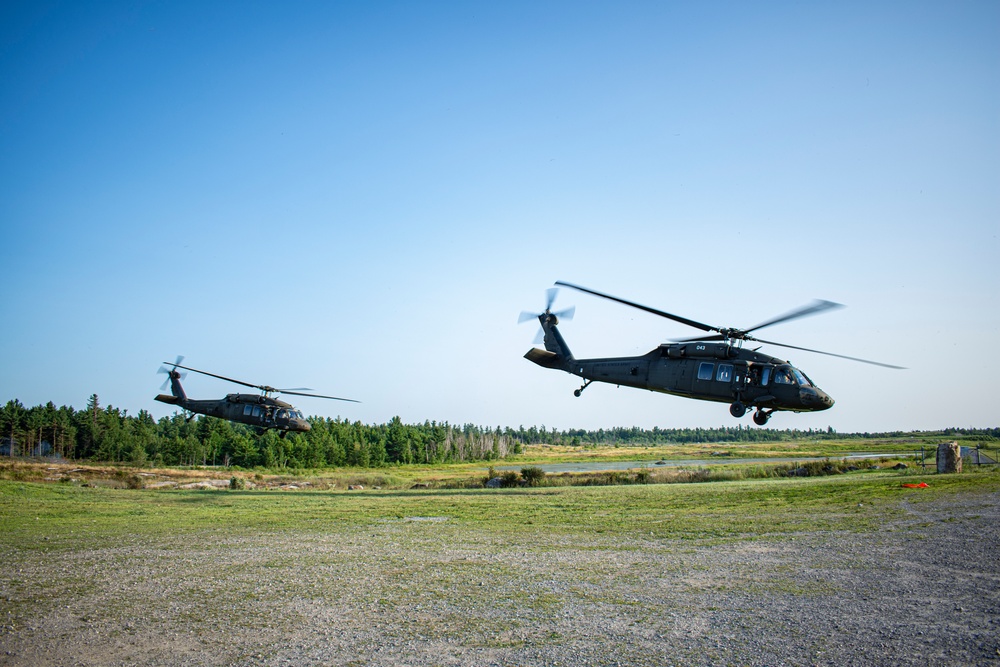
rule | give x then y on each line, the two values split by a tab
760	417
737	409
579	391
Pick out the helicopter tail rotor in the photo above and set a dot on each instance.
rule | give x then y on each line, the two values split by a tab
172	373
552	317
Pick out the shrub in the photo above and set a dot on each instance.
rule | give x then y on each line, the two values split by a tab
508	478
135	482
533	476
237	483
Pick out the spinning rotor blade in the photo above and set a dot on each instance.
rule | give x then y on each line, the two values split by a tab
817	306
829	354
265	388
550	297
566	314
223	377
164	369
654	311
299	393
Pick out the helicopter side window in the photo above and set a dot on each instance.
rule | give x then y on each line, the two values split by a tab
765	376
705	370
256	411
246	410
782	376
725	373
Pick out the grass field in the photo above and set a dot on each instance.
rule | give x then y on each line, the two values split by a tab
52	517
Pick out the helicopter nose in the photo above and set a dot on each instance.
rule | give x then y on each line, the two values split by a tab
303	425
815	399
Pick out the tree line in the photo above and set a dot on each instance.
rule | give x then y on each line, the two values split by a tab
110	434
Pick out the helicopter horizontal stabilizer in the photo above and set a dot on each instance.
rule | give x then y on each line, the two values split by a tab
167	398
544	358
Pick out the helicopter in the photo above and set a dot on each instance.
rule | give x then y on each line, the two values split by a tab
710	368
262	411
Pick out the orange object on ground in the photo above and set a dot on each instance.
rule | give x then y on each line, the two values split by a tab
922	485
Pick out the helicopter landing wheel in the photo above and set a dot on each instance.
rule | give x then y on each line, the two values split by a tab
577	392
760	417
737	409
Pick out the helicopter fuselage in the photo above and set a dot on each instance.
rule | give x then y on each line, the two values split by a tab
707	371
252	409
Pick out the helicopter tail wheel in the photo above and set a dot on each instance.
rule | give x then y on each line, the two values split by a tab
737	409
577	392
760	417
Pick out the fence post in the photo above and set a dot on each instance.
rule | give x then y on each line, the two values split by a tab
949	457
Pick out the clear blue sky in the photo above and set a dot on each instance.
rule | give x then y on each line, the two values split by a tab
361	198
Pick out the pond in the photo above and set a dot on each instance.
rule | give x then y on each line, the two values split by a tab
595	466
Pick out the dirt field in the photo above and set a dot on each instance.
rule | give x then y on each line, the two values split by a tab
924	590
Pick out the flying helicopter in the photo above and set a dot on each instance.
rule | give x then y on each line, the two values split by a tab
709	368
262	411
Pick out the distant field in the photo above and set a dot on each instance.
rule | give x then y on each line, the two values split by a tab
470	475
724	572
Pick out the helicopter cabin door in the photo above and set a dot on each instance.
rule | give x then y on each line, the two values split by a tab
715	380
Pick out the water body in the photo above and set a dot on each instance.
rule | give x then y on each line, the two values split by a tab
598	466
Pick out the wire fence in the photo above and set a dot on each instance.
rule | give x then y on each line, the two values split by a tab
977	456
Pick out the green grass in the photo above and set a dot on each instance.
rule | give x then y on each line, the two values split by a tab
58	516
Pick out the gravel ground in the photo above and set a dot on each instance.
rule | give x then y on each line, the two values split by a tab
425	591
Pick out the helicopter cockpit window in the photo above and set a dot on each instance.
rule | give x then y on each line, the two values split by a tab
725	373
801	377
705	370
782	376
282	414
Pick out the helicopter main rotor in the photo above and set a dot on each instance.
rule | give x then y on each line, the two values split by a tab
728	334
266	389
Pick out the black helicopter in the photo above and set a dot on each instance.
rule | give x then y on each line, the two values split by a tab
261	411
712	368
